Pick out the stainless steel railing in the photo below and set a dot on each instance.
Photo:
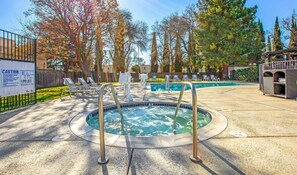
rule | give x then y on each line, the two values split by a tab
103	159
194	157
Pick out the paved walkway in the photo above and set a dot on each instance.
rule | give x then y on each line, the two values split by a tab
26	145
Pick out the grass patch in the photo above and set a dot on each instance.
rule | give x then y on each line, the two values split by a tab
47	94
157	80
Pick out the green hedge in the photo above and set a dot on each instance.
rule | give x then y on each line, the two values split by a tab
250	74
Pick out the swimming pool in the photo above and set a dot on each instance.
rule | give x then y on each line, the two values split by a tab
160	87
149	119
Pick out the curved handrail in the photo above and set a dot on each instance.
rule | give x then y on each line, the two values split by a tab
194	157
103	159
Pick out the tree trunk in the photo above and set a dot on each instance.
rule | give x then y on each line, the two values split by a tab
220	73
83	64
99	53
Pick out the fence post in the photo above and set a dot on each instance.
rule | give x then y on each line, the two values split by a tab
35	61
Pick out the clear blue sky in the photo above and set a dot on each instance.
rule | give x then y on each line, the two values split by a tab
151	10
11	11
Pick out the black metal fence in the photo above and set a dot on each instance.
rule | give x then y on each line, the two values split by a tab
17	48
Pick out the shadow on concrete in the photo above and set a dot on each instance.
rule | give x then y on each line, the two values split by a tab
176	161
209	170
222	158
9	114
26	145
29	136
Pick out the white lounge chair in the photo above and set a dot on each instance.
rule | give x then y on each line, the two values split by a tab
92	82
125	80
194	77
72	88
167	78
205	78
186	78
154	78
86	86
213	78
175	78
143	78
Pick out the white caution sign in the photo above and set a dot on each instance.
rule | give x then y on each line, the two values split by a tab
16	78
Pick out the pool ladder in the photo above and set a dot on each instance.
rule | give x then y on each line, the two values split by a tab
103	159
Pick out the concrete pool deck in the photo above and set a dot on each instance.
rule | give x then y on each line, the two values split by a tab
27	146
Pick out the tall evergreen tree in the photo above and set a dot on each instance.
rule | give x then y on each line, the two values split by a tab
178	55
192	62
268	47
154	55
227	33
165	58
293	34
276	43
261	33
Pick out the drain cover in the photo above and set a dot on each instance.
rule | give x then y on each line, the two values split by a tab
238	134
61	138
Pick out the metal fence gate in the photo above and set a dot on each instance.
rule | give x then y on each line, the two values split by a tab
18	71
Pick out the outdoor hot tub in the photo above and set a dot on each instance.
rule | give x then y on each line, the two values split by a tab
149	119
148	125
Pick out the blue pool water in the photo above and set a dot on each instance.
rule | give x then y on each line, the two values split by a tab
177	87
149	120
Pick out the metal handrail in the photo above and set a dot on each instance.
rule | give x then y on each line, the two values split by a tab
178	105
194	157
103	159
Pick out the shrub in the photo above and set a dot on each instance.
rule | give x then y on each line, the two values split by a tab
135	68
250	74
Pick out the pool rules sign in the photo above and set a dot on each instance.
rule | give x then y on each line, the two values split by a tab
16	78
